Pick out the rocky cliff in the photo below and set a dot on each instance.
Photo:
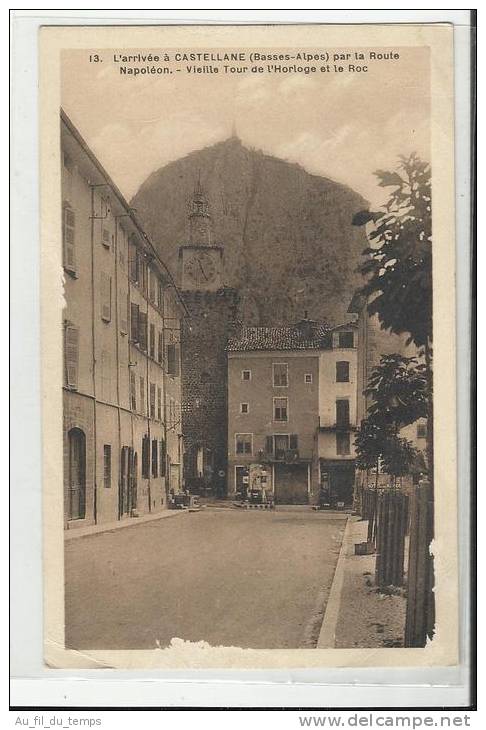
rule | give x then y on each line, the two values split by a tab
287	235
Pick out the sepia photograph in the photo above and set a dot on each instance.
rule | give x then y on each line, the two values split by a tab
252	295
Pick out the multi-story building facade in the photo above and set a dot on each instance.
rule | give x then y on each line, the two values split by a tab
122	325
292	411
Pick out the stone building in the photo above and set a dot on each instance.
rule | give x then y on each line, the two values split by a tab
122	331
292	411
212	309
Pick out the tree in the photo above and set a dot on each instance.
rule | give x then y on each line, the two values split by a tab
398	457
399	265
397	388
399	260
398	391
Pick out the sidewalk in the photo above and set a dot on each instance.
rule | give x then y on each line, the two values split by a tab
357	615
120	524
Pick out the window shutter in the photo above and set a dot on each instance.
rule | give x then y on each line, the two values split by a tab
269	445
142	330
152	400
106	237
134	322
71	354
152	280
342	371
160	353
105	297
152	340
68	231
123	298
162	458
171	359
133	253
342	413
293	441
142	395
155	471
145	457
133	391
159	403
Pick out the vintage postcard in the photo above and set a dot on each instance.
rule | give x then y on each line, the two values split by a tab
248	343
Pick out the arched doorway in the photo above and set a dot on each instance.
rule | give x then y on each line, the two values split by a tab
77	474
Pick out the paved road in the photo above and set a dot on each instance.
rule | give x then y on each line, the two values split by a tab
231	578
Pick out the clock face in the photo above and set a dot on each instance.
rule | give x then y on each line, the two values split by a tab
201	268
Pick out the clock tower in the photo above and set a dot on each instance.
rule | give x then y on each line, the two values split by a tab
201	261
212	309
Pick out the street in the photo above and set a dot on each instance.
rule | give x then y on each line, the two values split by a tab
228	577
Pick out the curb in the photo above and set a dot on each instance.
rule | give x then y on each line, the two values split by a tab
78	534
327	635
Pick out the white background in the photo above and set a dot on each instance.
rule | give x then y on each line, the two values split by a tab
34	685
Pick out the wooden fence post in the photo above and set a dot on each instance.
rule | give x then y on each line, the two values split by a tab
390	543
420	617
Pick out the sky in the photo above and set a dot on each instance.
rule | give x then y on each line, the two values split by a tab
342	126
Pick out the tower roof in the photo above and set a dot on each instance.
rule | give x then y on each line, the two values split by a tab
200	228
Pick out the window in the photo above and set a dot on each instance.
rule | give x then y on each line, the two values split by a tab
133	262
67	162
346	339
152	281
244	443
77	474
134	321
342	413
421	430
133	392
308	378
106	237
71	355
107	466
145	457
162	458
142	330
280	409
244	408
293	441
160	291
246	374
155	469
281	445
173	360
342	444
105	297
159	403
160	351
152	341
342	372
68	238
142	394
142	272
152	400
123	298
280	374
